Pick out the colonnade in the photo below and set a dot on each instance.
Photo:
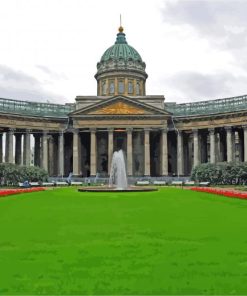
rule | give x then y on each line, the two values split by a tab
155	152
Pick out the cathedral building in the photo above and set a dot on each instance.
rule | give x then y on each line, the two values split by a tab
158	138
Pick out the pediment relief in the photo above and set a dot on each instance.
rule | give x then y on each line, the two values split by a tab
119	108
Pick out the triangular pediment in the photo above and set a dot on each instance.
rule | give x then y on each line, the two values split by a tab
119	106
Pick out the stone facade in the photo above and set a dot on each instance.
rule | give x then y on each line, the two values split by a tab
158	139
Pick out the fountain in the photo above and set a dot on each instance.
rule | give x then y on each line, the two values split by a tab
118	177
118	180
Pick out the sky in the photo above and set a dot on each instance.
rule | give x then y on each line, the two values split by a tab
194	50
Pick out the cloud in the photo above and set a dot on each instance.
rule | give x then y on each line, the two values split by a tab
223	22
52	74
21	86
199	86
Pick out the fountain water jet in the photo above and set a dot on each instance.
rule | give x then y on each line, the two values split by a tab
118	177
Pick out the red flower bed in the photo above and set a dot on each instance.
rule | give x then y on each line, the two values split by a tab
220	191
6	192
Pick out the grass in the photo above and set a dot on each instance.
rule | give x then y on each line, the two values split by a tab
168	242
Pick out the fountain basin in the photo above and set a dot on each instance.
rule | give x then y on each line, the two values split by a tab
116	190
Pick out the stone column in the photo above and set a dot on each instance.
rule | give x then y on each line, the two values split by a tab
1	147
37	150
51	155
229	143
61	154
76	152
93	152
18	149
26	148
196	148
245	142
45	150
180	154
129	152
164	153
9	152
146	152
110	149
212	145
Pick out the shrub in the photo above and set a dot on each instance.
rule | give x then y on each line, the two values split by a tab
221	173
12	174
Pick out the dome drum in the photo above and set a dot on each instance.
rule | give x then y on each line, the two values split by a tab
121	70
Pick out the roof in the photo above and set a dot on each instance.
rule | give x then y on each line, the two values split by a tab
121	50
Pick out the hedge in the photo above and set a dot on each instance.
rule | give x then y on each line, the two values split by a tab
12	174
221	173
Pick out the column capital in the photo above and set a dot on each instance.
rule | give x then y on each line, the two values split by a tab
92	130
61	132
164	130
244	126
11	130
228	128
27	131
129	129
195	131
110	129
45	133
211	131
147	129
76	131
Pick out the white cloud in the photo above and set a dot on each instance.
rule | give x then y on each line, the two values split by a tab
58	43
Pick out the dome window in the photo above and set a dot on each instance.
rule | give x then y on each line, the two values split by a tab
137	88
130	87
112	87
120	86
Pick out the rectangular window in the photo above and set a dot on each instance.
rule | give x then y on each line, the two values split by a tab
137	88
130	87
103	87
120	87
112	87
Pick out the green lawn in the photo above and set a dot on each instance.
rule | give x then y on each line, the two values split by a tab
168	242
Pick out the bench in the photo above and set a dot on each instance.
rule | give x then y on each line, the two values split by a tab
48	184
189	183
34	184
159	182
76	183
20	184
142	182
61	183
204	184
177	183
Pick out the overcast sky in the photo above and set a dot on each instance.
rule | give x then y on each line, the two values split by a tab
194	50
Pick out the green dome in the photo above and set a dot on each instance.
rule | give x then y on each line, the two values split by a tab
121	50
